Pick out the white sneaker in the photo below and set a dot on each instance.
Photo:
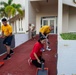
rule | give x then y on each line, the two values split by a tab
43	50
49	49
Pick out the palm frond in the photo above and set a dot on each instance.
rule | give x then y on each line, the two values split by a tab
10	2
20	12
14	5
13	11
1	15
18	6
8	10
1	9
3	3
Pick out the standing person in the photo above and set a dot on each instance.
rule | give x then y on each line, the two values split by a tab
44	31
36	54
33	31
29	31
7	35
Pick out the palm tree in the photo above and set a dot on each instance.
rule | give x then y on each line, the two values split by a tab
10	9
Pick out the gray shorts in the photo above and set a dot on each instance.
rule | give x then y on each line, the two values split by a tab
33	33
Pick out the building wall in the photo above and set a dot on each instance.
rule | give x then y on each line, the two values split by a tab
69	19
72	19
32	14
66	48
45	11
20	39
69	2
65	18
66	57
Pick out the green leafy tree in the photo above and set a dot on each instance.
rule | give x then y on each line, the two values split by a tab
9	9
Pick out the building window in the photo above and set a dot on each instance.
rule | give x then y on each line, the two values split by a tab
17	25
20	25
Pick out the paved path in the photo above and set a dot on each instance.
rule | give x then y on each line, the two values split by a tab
18	64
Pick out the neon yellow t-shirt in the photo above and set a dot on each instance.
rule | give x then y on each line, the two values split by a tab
45	29
7	30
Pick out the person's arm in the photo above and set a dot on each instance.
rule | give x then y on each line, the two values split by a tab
28	29
2	33
37	57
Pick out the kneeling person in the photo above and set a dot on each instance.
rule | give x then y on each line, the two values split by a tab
36	54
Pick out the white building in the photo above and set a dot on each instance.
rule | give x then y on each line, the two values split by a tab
59	13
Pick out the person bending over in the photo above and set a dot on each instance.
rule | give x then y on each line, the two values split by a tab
44	31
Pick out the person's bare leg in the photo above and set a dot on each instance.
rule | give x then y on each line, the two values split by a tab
8	52
47	44
8	49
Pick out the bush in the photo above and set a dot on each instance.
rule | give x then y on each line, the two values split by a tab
68	36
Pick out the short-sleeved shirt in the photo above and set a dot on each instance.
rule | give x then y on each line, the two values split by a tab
36	49
45	29
32	27
6	29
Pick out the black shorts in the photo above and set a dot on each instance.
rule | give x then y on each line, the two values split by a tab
8	40
40	35
35	62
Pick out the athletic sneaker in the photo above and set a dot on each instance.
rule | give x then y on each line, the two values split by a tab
48	48
42	49
7	57
48	42
11	52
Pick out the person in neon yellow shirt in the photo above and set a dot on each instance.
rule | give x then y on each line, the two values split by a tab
7	35
44	31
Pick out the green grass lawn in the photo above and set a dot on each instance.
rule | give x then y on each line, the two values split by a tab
68	36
